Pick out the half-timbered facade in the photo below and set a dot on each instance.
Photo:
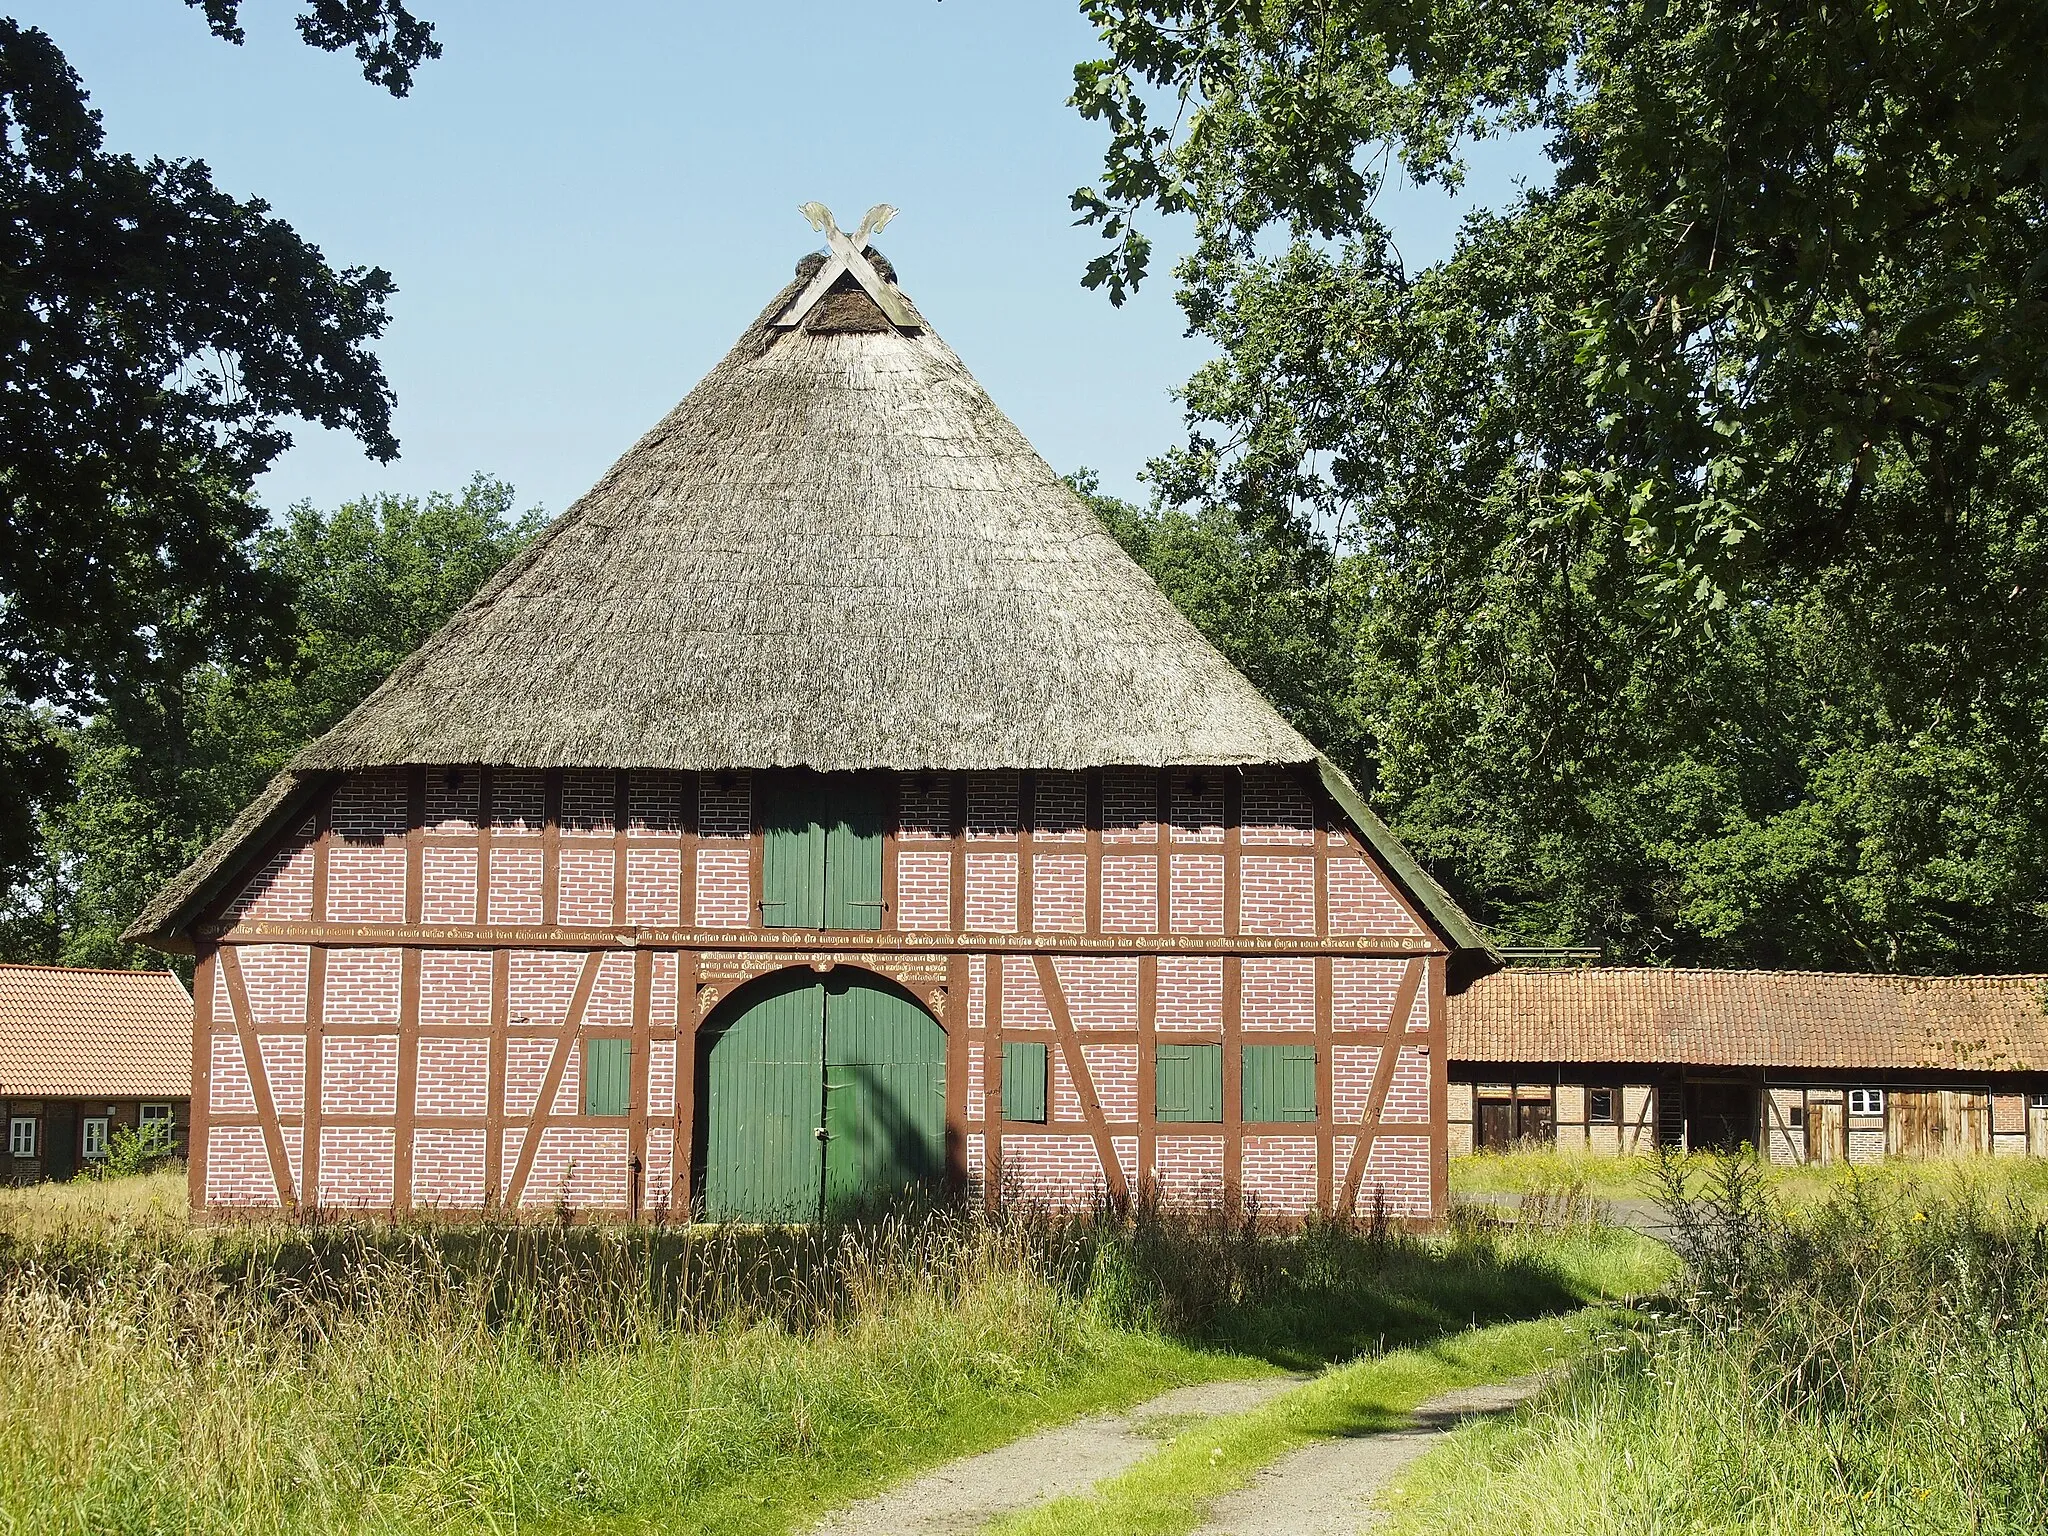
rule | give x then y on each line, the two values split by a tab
826	804
1803	1066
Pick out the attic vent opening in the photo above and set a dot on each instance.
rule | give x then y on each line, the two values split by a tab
849	291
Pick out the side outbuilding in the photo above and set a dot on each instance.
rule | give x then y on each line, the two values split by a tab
1811	1067
85	1055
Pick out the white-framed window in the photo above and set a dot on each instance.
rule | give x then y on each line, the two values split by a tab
1866	1101
1600	1105
21	1135
1795	1117
155	1121
94	1132
2037	1101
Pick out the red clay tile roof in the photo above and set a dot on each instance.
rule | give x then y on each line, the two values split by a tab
1753	1019
115	1034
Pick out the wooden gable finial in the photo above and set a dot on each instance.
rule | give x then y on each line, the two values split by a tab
849	255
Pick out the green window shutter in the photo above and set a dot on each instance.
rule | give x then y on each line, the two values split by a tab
1188	1082
792	851
1024	1080
1279	1083
607	1072
857	806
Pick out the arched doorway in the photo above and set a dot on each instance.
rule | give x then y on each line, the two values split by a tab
819	1092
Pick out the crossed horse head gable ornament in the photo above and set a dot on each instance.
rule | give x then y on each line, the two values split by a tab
849	255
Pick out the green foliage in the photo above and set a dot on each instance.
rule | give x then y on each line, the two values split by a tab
155	335
1813	233
1684	574
388	40
161	769
1841	771
132	1150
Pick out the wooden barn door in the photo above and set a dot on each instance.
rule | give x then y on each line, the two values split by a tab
767	1070
885	1093
1937	1122
1827	1131
1535	1122
821	1092
1496	1124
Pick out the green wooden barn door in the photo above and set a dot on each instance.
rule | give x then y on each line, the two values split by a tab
762	1155
821	854
793	832
843	1054
856	809
885	1092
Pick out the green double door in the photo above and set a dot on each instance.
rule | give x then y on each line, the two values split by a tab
823	1092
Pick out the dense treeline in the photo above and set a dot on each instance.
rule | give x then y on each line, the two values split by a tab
1672	555
1837	773
146	781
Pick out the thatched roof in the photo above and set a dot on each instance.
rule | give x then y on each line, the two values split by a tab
836	553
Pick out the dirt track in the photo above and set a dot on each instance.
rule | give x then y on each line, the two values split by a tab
965	1495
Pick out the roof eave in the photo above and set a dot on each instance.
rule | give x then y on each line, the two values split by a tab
1472	953
165	923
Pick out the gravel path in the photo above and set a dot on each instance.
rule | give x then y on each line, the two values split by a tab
1326	1489
964	1495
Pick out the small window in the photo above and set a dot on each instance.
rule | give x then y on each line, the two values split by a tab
1600	1105
21	1136
606	1072
1866	1101
1024	1066
154	1125
93	1142
1187	1082
2037	1101
1795	1117
1278	1083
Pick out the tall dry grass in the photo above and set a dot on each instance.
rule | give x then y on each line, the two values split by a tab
503	1376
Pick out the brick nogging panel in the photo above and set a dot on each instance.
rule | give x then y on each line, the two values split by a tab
484	1038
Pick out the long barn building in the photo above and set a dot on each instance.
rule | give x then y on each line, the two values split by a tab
824	804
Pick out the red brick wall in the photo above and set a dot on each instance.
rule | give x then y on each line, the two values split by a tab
1190	856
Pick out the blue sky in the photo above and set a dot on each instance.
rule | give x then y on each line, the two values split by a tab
583	205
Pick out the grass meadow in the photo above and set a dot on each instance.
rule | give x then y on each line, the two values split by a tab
538	1377
1553	1176
1869	1356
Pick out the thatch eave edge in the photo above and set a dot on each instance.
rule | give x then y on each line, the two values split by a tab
1473	955
163	923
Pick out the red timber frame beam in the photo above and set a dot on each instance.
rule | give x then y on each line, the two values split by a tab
551	1084
1382	1083
259	1079
1084	1082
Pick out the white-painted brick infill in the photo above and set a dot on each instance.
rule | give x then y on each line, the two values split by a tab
453	1078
